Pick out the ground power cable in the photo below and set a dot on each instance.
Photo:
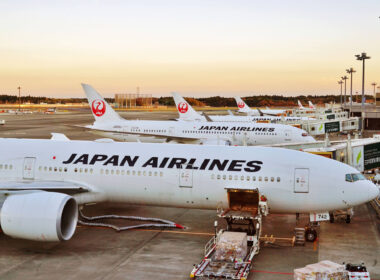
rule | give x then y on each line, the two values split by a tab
158	223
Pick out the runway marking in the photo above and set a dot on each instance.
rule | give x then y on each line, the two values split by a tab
272	272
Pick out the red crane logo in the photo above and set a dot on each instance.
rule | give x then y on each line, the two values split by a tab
183	107
98	107
240	105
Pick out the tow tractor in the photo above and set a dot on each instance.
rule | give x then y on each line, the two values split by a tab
229	254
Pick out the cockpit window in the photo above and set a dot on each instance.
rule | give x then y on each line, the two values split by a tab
355	177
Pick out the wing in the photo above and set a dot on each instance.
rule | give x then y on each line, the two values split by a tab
57	186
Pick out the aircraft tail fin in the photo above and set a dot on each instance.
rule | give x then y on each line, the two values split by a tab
300	105
185	111
243	107
100	109
311	105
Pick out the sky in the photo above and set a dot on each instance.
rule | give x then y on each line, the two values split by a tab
196	48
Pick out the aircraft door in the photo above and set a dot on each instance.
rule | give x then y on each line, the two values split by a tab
301	180
288	135
185	177
28	167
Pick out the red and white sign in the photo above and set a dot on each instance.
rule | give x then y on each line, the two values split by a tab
98	107
240	104
183	107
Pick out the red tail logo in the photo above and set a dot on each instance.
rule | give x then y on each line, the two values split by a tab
240	104
183	107
98	107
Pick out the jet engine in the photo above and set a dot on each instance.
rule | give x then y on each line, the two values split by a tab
41	216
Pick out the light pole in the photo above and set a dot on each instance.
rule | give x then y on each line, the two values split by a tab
374	88
344	78
350	71
341	83
362	57
19	98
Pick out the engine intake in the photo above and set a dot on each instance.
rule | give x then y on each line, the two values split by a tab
41	216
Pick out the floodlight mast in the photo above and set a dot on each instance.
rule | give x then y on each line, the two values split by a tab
344	78
341	97
362	57
350	71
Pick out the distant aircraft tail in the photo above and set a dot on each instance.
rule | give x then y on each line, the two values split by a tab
100	109
185	111
243	107
300	105
311	105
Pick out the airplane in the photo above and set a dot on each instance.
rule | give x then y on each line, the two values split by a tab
300	106
44	180
187	113
311	105
244	108
109	124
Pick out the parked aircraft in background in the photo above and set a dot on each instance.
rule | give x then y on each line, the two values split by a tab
244	108
37	175
109	124
311	106
187	113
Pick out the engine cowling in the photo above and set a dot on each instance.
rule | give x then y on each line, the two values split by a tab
41	216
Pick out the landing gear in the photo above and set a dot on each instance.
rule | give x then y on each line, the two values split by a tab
332	218
310	234
348	219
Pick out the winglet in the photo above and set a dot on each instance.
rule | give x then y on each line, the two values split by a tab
207	117
59	137
100	109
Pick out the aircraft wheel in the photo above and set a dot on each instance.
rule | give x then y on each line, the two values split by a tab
310	235
332	219
348	219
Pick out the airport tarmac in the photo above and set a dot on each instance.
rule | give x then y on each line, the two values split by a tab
100	253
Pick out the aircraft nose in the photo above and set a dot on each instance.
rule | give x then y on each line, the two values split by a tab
373	191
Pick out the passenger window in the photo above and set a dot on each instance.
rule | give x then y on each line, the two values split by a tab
112	171
107	171
150	173
254	178
266	179
272	179
278	179
155	173
40	168
144	173
161	174
260	178
236	177
133	173
101	171
118	172
6	166
138	173
230	177
242	178
60	169
1	166
65	169
218	177
10	166
224	177
248	178
122	172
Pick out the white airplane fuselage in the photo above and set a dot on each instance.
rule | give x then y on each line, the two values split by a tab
190	176
202	132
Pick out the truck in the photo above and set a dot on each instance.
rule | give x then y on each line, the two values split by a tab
229	254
